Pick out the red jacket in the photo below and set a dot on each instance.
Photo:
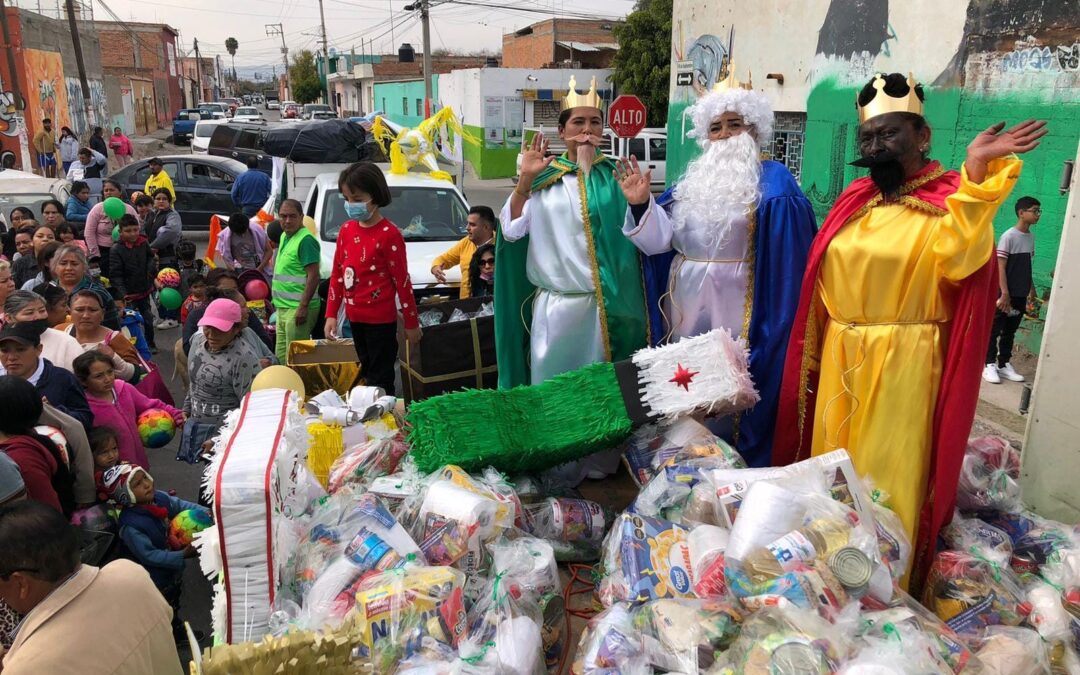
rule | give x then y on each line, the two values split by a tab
37	466
370	267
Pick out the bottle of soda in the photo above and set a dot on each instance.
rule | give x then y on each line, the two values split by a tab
819	539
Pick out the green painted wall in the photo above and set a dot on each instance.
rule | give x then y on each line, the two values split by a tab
413	91
490	160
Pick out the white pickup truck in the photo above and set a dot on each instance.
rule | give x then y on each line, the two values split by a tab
430	213
650	148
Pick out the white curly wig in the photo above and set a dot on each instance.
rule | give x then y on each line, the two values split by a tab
753	106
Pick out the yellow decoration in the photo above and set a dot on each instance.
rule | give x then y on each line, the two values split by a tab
882	103
327	444
575	100
279	377
420	147
731	82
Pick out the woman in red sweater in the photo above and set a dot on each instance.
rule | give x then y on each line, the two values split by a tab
370	271
48	479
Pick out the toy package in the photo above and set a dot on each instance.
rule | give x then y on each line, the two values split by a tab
645	559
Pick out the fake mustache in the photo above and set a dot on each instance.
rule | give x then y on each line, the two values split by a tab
586	138
879	159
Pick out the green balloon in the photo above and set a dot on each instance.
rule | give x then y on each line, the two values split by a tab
170	298
116	233
113	208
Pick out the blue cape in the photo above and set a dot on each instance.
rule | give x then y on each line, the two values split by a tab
785	228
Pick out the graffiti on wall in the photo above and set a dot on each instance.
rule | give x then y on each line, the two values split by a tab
79	124
49	98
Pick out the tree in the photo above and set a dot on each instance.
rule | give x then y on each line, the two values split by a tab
231	45
305	79
642	65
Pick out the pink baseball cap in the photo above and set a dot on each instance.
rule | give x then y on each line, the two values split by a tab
222	314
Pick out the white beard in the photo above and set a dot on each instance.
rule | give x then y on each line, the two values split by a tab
720	187
586	155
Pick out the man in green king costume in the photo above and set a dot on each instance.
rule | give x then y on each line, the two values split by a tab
569	287
569	290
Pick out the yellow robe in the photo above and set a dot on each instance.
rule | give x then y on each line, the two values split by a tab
887	290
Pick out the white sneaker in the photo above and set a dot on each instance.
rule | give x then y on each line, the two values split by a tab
166	324
1009	373
990	374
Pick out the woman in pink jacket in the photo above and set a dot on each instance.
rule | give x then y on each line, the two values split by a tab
99	227
121	147
117	404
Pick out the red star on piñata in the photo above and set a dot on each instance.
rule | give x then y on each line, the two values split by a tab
683	377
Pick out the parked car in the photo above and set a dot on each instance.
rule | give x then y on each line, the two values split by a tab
240	140
430	213
290	111
200	142
249	114
309	109
183	127
272	102
202	183
22	188
323	115
216	110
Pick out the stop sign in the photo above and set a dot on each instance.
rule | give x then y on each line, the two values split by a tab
626	116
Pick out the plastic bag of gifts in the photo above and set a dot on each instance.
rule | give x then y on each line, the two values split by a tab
453	516
793	543
1054	624
989	477
504	631
408	611
574	526
912	624
786	640
901	650
363	463
680	493
969	592
655	446
685	636
354	538
611	645
645	559
1008	650
1036	541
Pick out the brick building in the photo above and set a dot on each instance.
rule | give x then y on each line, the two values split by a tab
144	54
560	43
192	79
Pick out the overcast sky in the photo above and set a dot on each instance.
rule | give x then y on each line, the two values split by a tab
477	25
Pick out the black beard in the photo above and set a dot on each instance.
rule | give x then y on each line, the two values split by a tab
885	170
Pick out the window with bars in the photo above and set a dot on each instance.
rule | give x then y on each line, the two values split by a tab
786	147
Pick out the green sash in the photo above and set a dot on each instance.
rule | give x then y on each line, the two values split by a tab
616	268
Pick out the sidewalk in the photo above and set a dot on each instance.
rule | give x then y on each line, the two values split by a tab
999	404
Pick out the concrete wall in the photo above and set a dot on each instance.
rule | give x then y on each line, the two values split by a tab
491	104
981	61
389	98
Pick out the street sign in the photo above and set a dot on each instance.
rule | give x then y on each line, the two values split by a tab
684	79
626	116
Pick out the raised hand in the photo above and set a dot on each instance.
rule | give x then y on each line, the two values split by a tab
634	183
993	144
534	159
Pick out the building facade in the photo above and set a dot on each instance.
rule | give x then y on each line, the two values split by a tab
561	43
981	61
200	81
137	53
46	83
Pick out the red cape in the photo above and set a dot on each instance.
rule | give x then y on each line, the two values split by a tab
958	395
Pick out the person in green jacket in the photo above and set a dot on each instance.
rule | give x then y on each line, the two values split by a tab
296	279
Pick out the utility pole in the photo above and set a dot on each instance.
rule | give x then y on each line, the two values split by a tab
276	29
423	6
393	42
76	42
12	69
198	72
326	57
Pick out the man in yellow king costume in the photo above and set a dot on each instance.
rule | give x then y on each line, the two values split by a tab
569	290
885	352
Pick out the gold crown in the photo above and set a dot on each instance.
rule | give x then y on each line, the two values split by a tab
883	103
575	100
731	82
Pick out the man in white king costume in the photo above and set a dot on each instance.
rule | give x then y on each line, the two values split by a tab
737	232
569	289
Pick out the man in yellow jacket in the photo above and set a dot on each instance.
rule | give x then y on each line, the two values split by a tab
158	179
481	230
